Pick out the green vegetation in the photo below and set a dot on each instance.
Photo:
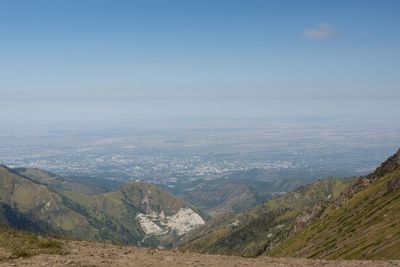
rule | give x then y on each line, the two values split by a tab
257	230
330	219
59	183
24	244
220	197
365	226
45	203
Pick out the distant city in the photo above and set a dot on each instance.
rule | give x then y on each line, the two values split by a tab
173	155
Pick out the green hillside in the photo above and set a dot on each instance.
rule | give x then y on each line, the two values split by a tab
363	224
59	183
122	208
230	195
137	213
257	230
16	243
28	204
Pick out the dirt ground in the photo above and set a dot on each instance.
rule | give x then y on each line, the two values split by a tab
82	253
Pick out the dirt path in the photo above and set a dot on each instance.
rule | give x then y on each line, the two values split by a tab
84	253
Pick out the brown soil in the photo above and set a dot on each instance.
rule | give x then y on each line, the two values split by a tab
82	253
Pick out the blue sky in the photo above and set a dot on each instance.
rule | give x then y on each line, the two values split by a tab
71	59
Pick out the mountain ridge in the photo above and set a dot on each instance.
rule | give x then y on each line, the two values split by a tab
119	215
256	230
345	226
363	223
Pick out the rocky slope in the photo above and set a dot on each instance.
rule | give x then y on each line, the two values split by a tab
330	219
82	253
364	223
261	228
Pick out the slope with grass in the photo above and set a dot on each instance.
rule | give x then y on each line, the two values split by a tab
26	204
232	194
15	244
142	212
259	229
136	213
363	224
19	248
59	183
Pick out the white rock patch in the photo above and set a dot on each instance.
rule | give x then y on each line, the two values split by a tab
148	226
182	222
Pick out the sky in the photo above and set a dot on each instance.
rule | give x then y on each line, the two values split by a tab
69	61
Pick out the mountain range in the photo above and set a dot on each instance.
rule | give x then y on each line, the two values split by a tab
235	192
331	219
252	232
353	218
364	223
136	213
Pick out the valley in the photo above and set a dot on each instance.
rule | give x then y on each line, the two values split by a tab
328	219
221	133
136	212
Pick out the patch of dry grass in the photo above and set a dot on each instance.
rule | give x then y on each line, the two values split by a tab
25	244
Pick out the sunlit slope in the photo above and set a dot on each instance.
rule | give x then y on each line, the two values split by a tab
19	248
257	230
364	224
26	204
143	212
233	194
16	243
137	213
59	183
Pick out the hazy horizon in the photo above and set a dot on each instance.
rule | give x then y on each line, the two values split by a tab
77	62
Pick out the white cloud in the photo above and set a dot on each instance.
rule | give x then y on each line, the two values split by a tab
320	32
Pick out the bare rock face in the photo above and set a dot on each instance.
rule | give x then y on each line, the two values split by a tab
394	184
389	165
397	157
182	222
307	217
362	182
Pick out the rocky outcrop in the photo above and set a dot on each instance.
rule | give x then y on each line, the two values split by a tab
389	165
307	216
364	181
394	184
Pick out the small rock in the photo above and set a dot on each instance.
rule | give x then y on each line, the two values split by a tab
394	184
